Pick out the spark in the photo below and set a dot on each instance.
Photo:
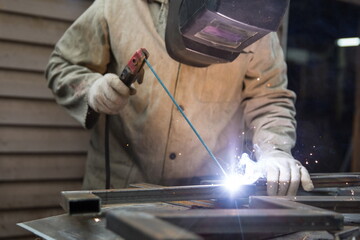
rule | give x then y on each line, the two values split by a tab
97	219
306	162
316	161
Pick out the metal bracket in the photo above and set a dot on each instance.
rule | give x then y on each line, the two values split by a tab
281	216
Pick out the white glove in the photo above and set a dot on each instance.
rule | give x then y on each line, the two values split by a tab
109	94
284	174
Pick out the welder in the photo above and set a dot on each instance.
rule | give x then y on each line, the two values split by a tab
222	61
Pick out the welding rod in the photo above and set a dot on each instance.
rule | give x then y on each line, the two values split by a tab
185	117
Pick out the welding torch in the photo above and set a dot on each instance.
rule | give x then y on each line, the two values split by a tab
134	70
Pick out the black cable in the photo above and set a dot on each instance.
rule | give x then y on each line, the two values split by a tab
107	153
128	76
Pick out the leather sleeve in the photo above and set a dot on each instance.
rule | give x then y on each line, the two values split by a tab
80	57
268	104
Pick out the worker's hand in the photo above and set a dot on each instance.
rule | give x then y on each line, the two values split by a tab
109	94
284	174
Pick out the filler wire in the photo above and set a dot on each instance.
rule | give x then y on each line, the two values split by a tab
187	120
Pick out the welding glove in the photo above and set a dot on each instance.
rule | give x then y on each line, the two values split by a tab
109	94
284	174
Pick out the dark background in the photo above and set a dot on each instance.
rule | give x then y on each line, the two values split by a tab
323	77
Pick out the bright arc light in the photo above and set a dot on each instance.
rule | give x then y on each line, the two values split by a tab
348	42
245	172
233	182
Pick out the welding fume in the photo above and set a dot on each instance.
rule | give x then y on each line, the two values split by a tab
214	69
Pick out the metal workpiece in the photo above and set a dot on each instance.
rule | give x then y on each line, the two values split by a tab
349	232
268	215
80	202
348	191
341	204
232	221
330	219
323	180
331	183
189	203
72	201
239	221
139	225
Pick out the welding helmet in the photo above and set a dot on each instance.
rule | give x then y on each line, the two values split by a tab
204	32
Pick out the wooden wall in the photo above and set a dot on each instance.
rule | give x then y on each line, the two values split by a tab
42	149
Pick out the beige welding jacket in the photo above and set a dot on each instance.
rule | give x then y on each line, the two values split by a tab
149	139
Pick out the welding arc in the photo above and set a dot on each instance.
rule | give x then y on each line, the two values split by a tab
185	117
